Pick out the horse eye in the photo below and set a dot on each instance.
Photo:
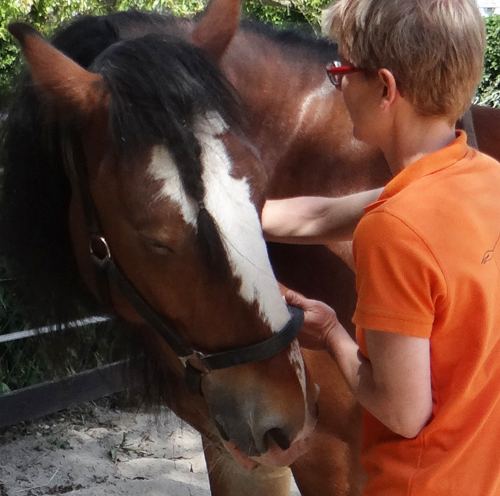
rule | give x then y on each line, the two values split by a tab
159	246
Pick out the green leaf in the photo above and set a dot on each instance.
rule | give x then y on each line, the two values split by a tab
4	389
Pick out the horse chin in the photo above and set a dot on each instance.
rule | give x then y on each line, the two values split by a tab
275	456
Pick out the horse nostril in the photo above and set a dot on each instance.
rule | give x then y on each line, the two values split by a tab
279	437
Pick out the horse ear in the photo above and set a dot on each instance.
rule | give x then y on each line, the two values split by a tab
68	85
217	27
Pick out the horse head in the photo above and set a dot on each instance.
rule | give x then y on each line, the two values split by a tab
166	190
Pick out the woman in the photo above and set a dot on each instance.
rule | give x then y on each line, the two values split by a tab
426	362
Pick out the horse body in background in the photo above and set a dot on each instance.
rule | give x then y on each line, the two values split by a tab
297	140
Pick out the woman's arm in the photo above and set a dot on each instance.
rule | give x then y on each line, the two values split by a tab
394	385
314	219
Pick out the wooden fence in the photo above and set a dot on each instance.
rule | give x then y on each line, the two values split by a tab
48	397
36	401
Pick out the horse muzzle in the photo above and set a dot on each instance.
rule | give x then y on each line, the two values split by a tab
265	422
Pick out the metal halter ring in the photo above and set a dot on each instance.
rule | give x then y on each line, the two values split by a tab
99	248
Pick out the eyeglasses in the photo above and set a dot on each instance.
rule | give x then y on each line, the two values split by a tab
336	72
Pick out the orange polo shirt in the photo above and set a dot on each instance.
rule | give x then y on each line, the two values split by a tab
427	257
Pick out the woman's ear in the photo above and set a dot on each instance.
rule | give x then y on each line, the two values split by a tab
390	89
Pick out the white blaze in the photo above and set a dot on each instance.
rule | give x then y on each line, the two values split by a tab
229	202
163	169
295	357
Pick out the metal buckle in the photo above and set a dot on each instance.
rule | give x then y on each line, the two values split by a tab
196	360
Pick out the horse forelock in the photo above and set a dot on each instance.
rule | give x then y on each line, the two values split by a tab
159	84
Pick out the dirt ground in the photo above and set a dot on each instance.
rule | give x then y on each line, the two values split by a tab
100	450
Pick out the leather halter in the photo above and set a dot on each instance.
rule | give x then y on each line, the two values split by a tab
196	362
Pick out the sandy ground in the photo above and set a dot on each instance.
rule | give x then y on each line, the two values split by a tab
99	450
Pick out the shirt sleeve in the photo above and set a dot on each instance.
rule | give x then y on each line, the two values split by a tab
398	279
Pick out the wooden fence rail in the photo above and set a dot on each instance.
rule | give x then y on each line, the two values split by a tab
48	397
14	336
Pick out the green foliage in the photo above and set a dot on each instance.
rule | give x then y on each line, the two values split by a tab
293	12
276	15
311	10
488	92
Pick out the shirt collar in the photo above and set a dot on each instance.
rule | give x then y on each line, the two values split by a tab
429	164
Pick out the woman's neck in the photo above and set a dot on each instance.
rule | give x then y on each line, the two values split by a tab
414	136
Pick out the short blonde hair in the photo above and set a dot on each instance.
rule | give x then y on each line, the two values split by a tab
434	48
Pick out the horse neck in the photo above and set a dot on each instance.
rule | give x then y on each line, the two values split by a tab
278	95
298	120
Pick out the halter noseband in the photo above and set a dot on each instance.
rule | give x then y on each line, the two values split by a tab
196	362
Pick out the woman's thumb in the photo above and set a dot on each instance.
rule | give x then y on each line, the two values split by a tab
293	298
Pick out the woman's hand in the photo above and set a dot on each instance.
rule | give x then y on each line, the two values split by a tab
319	321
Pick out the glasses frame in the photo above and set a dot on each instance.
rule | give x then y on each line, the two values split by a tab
336	71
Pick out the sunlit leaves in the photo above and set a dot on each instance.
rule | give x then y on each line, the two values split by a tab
489	89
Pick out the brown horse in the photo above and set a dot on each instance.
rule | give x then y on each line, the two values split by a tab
164	187
299	128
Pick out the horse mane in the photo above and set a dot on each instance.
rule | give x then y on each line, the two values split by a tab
85	37
160	106
295	42
159	85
